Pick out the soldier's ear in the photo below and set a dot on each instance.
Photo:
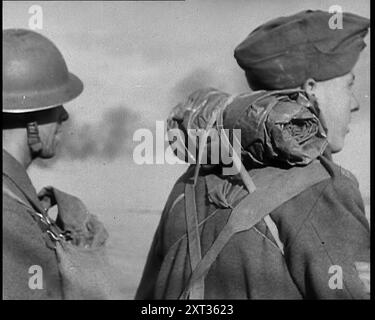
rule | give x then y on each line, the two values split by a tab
310	86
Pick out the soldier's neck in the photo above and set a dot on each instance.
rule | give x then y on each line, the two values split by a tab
15	143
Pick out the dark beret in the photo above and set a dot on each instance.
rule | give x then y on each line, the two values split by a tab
284	52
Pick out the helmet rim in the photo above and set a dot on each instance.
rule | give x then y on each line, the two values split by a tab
38	100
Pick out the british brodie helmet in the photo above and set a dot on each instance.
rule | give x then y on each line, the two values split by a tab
36	82
35	75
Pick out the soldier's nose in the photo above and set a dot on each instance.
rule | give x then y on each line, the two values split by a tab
64	115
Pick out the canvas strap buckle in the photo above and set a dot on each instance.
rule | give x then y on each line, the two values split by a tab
51	229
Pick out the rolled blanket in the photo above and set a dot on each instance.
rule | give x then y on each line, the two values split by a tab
279	128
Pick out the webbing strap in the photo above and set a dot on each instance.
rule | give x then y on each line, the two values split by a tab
195	254
255	206
33	202
43	221
11	194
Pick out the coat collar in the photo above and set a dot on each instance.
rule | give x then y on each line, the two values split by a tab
17	174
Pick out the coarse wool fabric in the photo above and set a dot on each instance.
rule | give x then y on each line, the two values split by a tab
286	51
324	225
77	268
24	244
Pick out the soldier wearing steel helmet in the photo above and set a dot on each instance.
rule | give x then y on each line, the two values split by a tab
36	84
316	243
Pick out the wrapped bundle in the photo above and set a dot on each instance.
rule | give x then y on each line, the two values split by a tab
278	128
189	120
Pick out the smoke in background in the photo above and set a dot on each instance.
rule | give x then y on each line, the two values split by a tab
111	136
201	78
107	139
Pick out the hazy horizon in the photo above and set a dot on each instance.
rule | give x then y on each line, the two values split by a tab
135	72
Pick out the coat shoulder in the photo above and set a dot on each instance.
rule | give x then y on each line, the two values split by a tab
24	247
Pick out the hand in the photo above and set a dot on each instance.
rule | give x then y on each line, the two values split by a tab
47	197
363	269
73	217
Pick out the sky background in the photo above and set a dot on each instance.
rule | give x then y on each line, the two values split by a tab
139	59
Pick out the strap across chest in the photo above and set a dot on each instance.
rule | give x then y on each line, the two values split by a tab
37	212
274	188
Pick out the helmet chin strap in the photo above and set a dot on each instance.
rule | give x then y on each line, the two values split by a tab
33	138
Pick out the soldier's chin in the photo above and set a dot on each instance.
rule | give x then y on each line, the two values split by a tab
47	154
336	146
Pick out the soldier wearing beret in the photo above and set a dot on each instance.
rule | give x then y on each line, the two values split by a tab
318	246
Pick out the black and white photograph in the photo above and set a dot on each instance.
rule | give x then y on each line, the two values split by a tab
186	150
